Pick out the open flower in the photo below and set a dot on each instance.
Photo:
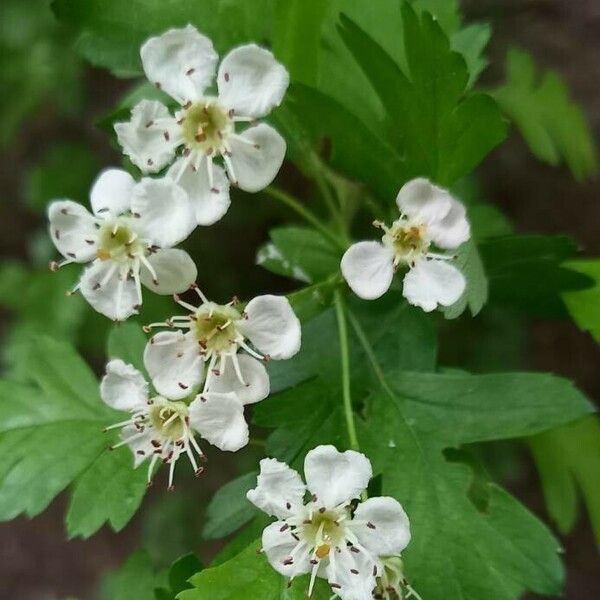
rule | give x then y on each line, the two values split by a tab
222	347
127	240
329	536
429	216
158	428
217	350
250	83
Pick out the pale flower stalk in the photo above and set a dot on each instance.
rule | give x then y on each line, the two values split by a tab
429	217
250	83
330	535
127	240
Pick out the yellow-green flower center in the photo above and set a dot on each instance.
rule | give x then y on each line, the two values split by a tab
205	127
169	418
324	531
118	241
407	240
215	327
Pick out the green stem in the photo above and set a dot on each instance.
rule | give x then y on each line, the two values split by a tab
364	341
329	200
340	311
304	212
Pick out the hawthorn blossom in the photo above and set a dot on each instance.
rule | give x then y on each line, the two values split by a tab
329	536
250	83
222	347
158	428
429	216
127	240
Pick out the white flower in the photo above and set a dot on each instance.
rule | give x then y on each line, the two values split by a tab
158	427
250	84
128	240
428	215
222	349
327	536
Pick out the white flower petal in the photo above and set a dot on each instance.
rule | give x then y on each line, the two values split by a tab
150	137
256	156
73	231
174	269
278	544
174	364
453	230
256	383
351	575
111	294
272	326
368	268
140	443
388	529
181	62
433	282
123	387
209	203
111	193
219	419
279	489
423	201
164	212
334	476
251	81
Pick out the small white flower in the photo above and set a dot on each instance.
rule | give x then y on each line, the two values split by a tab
222	349
250	84
128	240
158	429
328	536
428	215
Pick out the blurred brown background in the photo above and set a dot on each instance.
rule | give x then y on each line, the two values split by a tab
38	563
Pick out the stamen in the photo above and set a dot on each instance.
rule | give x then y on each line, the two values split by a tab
185	305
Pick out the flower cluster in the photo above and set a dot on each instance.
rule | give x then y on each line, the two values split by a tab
206	365
355	546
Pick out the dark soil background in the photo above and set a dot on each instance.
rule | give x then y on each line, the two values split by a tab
36	560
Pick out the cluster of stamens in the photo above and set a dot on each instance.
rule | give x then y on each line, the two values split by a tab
409	242
172	436
320	532
215	329
118	242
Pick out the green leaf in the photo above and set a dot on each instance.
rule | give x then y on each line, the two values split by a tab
54	176
312	300
127	342
229	509
584	305
443	131
51	431
568	461
28	293
299	252
297	36
512	263
110	32
356	151
471	42
181	572
249	574
494	549
109	491
553	126
135	579
476	293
